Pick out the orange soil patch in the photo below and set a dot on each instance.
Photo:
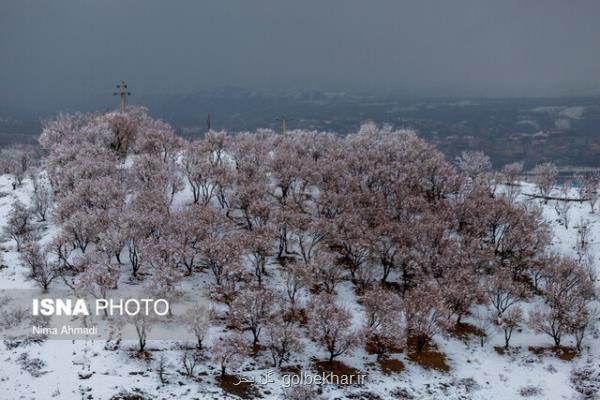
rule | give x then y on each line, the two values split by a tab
291	369
429	358
256	349
340	372
371	348
563	352
391	366
464	331
232	385
297	315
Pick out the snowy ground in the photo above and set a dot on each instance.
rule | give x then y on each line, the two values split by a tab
475	372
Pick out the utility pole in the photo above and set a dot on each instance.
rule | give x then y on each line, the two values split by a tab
208	122
122	93
283	125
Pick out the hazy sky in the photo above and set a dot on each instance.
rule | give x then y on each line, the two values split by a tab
57	50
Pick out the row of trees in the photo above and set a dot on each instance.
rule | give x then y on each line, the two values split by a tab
16	161
586	184
280	221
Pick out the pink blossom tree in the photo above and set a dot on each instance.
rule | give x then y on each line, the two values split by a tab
545	177
251	310
330	326
297	277
283	340
383	325
568	289
99	278
509	321
503	291
473	163
588	186
198	319
327	271
230	352
42	196
19	226
42	269
426	315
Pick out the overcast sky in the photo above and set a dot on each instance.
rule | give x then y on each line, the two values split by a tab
57	50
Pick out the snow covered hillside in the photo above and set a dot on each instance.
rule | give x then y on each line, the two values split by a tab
299	255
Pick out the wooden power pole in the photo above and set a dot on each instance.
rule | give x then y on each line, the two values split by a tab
122	93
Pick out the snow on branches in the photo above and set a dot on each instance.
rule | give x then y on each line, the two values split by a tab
278	226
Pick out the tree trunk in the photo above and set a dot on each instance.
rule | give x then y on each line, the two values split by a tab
421	342
255	333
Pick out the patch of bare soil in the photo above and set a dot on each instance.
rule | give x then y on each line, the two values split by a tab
512	350
297	315
464	331
390	366
565	353
371	348
429	358
256	349
141	355
339	373
231	384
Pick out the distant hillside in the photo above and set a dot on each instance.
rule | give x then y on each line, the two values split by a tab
566	130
